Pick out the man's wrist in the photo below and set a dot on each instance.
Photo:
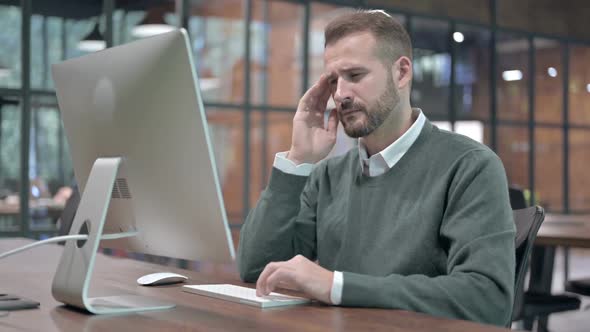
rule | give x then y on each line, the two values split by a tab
295	158
336	291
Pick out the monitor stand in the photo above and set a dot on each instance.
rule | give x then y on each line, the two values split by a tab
72	278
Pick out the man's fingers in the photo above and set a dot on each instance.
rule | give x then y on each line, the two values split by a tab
300	272
317	96
282	274
321	102
261	283
314	89
333	121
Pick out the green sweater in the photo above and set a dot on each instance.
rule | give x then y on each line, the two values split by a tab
433	234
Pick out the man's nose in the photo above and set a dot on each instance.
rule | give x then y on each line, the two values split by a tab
343	93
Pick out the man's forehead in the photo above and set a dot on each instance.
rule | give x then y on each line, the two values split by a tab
350	52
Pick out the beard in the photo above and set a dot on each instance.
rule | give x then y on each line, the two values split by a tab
365	120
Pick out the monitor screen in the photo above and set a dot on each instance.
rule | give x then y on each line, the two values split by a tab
140	102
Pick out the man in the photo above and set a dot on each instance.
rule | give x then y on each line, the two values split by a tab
415	218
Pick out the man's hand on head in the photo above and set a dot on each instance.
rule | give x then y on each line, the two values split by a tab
311	140
298	273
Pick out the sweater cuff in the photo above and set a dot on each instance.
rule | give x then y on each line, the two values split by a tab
284	182
354	290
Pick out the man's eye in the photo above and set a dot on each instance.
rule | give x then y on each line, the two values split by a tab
355	76
333	82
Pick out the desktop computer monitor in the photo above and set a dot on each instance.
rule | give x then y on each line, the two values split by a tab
142	157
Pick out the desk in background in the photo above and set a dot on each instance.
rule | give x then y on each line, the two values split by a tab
30	275
565	230
44	215
53	209
568	230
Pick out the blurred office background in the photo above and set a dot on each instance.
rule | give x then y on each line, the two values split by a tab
512	74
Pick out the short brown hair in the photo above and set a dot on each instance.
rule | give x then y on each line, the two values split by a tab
392	39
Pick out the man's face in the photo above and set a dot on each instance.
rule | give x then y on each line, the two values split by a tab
361	85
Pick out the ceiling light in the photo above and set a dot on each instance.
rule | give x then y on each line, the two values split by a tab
458	37
93	41
512	75
551	71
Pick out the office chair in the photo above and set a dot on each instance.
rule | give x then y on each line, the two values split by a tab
529	306
517	200
580	286
528	221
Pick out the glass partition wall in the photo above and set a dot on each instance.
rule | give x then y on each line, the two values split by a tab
526	96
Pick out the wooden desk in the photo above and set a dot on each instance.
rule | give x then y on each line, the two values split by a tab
30	275
565	230
557	230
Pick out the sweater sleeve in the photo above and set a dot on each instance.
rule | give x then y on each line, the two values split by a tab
478	233
280	226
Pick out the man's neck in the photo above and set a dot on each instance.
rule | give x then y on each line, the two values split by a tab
390	131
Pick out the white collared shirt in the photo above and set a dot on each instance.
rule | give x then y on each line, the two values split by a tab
377	164
381	162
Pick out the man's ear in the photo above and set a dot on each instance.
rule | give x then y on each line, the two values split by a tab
402	72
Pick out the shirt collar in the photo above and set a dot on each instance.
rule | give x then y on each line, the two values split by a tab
389	156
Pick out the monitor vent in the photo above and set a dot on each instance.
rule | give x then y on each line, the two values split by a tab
121	189
115	193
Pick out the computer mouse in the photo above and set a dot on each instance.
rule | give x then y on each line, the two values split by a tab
161	278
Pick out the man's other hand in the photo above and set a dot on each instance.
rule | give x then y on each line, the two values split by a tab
297	273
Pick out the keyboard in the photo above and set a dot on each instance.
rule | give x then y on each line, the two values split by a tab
244	295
